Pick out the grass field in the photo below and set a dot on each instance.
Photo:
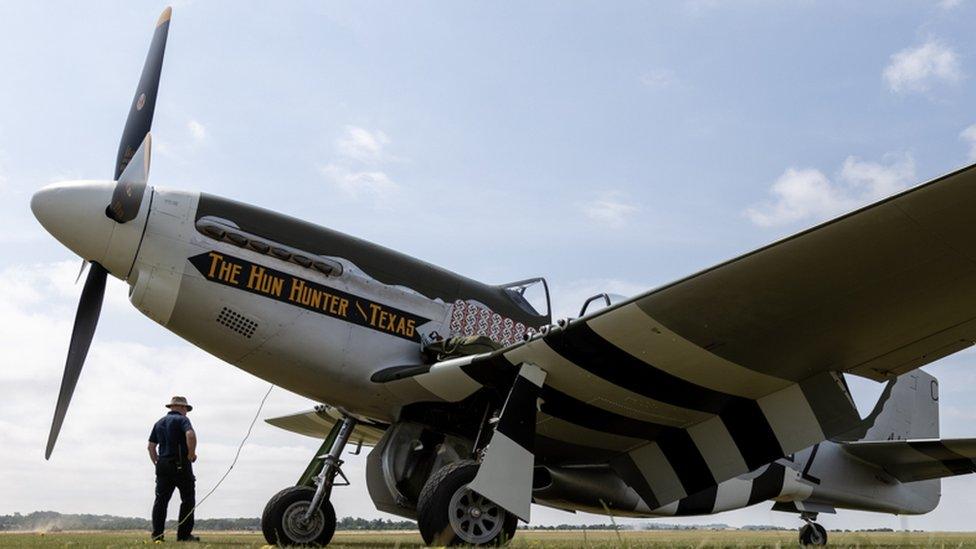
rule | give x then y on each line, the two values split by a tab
540	539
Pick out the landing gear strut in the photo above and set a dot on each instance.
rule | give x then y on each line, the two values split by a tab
812	533
301	515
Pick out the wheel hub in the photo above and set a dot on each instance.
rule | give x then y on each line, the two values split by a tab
297	527
473	518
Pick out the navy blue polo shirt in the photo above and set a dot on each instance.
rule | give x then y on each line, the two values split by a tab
170	433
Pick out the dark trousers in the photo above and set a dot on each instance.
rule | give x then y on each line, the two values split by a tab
168	478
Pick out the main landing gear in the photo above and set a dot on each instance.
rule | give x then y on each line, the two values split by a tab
447	511
812	533
450	513
301	515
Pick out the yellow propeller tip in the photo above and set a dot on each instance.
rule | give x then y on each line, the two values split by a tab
164	17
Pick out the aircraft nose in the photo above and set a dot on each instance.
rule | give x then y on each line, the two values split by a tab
74	213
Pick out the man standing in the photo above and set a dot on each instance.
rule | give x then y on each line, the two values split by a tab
177	450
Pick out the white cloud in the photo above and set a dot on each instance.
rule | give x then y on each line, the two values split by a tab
658	79
798	194
373	185
706	7
197	130
949	4
358	172
610	210
808	194
5	173
66	175
969	136
868	181
362	145
568	297
183	147
698	7
918	69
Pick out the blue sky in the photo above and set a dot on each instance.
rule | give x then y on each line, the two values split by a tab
605	146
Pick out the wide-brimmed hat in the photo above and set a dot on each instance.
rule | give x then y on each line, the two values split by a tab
179	401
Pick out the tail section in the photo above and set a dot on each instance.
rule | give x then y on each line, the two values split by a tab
908	409
914	460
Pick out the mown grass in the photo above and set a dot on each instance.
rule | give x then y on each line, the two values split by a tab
524	539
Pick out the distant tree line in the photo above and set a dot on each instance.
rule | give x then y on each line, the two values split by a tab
350	523
48	521
642	526
575	527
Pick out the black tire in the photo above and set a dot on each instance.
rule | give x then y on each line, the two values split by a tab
813	534
278	520
434	502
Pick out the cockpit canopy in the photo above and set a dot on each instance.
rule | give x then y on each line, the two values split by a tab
531	295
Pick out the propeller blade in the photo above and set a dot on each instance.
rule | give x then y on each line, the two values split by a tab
139	122
89	306
131	186
84	263
140	117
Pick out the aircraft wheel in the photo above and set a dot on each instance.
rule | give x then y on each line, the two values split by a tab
812	533
449	513
283	519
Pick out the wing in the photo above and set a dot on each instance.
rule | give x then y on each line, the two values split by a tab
318	422
719	373
910	460
878	292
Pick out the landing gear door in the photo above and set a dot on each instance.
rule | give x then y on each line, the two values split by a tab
532	295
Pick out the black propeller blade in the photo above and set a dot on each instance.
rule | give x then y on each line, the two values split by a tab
131	185
131	175
127	198
86	319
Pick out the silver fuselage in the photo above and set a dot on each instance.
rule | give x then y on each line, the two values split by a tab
297	337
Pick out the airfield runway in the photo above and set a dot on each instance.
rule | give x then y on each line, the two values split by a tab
534	539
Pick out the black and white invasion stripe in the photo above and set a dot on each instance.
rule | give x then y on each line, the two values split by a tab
505	474
676	419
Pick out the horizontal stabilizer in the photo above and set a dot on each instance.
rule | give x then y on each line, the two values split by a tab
318	422
910	460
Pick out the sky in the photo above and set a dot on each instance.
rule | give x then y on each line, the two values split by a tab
607	146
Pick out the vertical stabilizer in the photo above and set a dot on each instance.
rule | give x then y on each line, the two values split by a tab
907	409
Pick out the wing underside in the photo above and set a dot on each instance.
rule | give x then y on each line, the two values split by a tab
878	292
318	422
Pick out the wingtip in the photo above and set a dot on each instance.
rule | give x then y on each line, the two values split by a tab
164	17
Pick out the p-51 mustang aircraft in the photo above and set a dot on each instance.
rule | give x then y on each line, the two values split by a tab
715	392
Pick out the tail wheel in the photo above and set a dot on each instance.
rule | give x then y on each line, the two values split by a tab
812	533
449	513
283	521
